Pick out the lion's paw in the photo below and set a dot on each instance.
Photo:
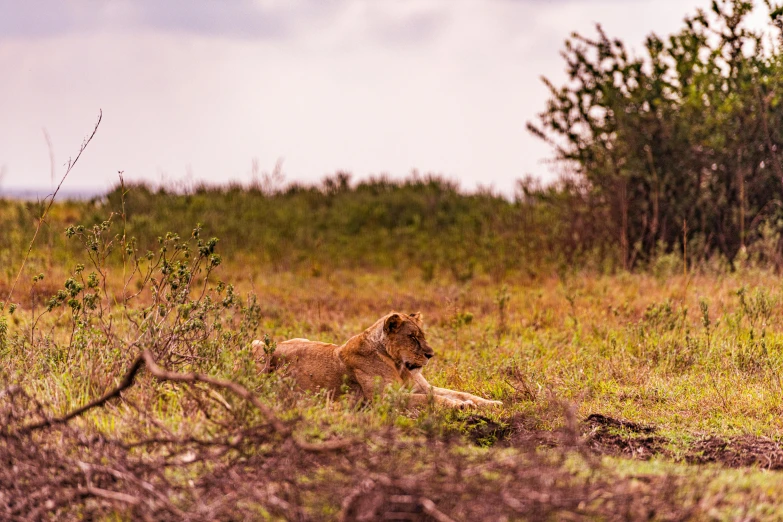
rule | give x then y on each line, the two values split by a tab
455	403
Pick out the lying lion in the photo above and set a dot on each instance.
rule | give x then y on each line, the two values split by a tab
393	350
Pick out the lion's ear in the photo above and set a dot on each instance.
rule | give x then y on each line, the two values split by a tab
417	317
393	323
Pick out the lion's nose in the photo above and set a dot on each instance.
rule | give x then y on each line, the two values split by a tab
428	355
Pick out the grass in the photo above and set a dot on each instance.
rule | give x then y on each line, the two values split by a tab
698	358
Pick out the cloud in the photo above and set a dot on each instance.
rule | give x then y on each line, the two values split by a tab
395	22
405	22
237	18
41	18
248	19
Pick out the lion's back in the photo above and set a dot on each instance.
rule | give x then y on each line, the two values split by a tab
314	365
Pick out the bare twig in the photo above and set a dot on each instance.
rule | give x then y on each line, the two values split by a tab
50	147
429	507
112	495
71	164
119	475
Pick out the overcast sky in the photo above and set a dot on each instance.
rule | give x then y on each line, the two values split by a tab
196	89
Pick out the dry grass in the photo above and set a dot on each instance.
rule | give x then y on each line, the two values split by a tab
130	392
630	347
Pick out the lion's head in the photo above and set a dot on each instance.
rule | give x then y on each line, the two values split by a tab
404	340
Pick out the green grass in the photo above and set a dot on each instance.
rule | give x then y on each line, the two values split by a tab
631	347
695	357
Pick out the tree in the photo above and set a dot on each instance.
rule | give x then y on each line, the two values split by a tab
685	138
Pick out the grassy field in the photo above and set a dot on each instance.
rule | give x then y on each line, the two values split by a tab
626	396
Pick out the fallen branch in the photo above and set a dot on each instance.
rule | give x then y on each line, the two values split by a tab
112	495
146	359
428	506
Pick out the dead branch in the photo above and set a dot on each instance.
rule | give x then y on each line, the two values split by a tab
429	507
235	388
126	383
112	495
156	371
144	485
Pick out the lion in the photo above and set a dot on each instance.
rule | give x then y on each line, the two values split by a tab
392	351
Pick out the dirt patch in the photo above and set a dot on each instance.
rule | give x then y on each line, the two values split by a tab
599	434
737	452
604	421
604	435
608	436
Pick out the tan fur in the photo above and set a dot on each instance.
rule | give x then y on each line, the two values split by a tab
391	351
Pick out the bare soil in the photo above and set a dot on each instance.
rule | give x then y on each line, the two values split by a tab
604	435
736	452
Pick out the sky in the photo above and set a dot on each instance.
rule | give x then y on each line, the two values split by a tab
200	90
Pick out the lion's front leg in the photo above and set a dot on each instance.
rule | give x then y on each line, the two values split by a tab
372	384
465	396
422	386
421	400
